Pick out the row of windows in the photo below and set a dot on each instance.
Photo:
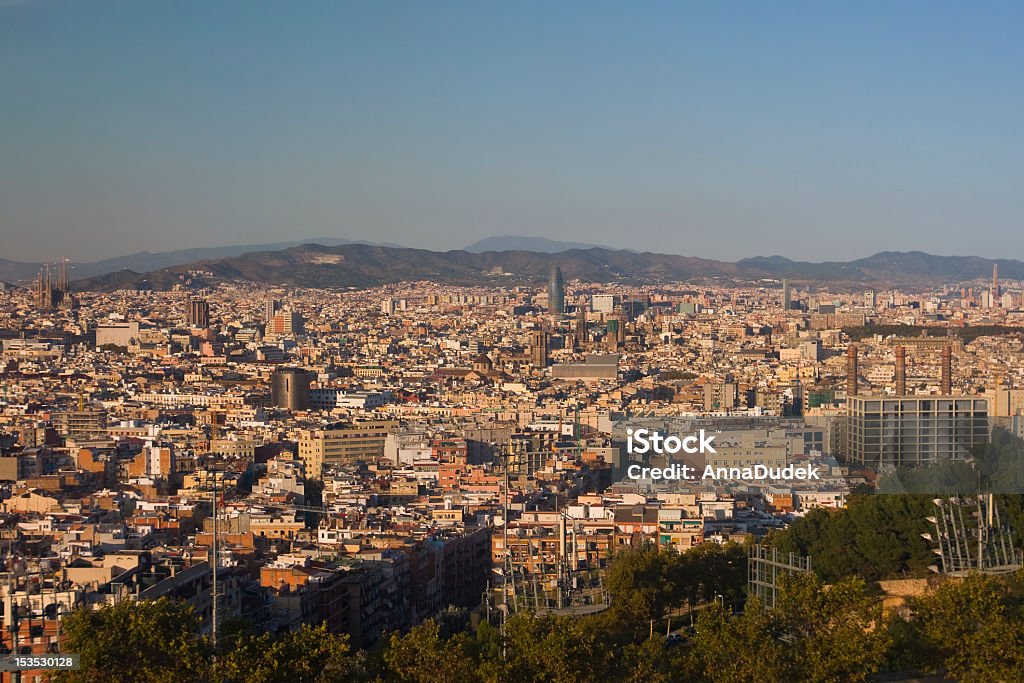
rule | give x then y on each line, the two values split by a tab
919	417
923	404
948	432
963	427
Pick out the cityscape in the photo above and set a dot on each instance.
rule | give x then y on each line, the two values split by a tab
367	460
461	342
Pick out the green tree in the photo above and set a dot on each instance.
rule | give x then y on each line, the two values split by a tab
648	662
136	641
817	634
711	571
874	537
973	629
737	649
552	649
307	655
423	656
646	582
835	633
643	585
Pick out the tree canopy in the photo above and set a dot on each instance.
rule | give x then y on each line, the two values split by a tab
873	537
968	629
136	641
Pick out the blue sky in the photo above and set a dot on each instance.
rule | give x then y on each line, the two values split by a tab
813	130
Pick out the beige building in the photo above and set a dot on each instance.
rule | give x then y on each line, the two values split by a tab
118	334
1006	402
357	441
745	456
30	501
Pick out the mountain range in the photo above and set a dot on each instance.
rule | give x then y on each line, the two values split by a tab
364	265
143	261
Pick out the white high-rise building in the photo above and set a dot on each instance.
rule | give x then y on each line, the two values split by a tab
603	303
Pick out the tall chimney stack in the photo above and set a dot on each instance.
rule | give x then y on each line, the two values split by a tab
851	370
901	371
947	370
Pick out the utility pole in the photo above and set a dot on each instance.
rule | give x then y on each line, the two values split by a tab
214	560
11	618
560	558
504	531
507	564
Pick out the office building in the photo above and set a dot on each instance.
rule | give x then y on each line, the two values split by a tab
359	441
615	332
914	430
556	292
270	309
604	303
286	322
198	313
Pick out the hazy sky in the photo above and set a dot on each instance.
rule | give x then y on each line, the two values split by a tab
714	129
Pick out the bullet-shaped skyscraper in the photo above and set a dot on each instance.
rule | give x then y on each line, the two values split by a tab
556	292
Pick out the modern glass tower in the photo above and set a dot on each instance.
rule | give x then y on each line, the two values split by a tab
556	292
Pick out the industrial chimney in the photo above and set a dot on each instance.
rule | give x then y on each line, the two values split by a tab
947	370
901	371
851	370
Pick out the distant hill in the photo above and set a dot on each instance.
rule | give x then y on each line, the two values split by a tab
362	265
889	267
143	261
525	243
357	265
18	271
